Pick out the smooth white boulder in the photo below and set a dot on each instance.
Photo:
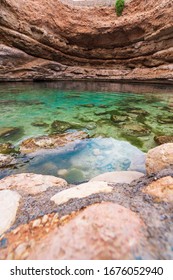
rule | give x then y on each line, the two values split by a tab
9	202
118	177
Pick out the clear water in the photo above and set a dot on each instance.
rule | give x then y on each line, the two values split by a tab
135	117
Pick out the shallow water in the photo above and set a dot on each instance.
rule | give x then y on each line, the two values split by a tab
136	114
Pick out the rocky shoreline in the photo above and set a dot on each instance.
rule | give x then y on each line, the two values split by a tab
116	215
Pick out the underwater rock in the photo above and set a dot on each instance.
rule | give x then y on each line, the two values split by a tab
87	105
73	176
159	158
165	119
62	126
6	148
119	118
8	131
163	139
137	130
50	142
39	124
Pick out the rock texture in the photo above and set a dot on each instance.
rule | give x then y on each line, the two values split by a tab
127	222
162	189
118	177
95	234
48	40
31	183
159	158
9	202
80	191
50	142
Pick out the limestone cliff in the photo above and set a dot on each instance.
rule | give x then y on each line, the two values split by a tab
49	40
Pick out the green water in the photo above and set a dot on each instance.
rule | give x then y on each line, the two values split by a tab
136	118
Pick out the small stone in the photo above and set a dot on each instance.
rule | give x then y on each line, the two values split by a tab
80	191
62	172
44	219
36	223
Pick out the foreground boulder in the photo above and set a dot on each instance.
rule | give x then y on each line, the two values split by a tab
101	231
159	158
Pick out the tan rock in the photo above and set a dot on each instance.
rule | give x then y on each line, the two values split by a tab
101	231
31	183
80	191
9	202
50	142
162	189
118	177
159	158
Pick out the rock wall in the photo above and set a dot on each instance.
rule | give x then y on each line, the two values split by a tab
49	40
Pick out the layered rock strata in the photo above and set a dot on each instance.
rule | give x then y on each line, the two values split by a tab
49	40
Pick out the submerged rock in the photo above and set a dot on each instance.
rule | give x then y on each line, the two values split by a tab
62	126
8	131
163	139
40	124
165	119
159	158
137	130
50	142
6	148
119	119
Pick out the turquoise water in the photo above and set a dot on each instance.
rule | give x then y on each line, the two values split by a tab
31	109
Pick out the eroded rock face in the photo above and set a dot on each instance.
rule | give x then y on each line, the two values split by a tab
159	158
95	234
50	40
